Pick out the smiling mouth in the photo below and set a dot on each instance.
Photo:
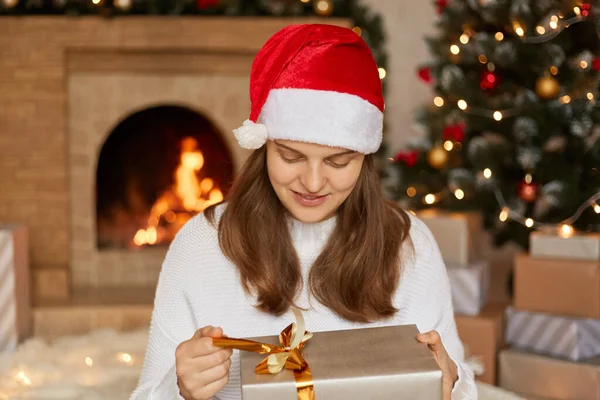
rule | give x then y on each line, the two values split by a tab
308	196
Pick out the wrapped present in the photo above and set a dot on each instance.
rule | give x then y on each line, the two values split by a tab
371	363
458	234
565	337
469	287
15	307
539	377
557	286
581	246
482	337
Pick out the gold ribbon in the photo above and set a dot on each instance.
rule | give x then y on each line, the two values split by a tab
286	356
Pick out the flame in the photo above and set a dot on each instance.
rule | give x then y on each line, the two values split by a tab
177	205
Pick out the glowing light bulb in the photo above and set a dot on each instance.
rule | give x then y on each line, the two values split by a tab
566	99
454	49
356	29
89	362
529	222
528	178
498	116
540	29
459	194
519	31
577	11
590	96
482	59
583	64
566	231
553	24
499	36
411	192
487	173
597	208
503	215
448	145
430	198
462	104
464	38
554	70
438	101
382	73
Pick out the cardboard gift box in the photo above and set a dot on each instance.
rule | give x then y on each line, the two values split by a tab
534	376
458	234
469	287
372	363
564	337
15	303
581	246
565	287
482	337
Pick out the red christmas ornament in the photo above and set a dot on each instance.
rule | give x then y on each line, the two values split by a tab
425	74
596	64
528	192
585	8
441	5
489	81
455	133
409	158
202	4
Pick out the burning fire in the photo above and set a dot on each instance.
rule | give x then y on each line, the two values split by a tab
177	205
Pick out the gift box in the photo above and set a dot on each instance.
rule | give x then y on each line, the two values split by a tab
458	235
15	307
534	376
482	337
469	287
360	364
581	246
565	337
563	287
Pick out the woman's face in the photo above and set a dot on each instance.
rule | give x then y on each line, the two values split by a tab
312	180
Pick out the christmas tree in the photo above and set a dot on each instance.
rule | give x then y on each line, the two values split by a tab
514	127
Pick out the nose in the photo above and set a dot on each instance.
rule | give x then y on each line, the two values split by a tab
313	178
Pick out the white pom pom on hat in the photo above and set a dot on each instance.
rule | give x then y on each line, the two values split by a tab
315	83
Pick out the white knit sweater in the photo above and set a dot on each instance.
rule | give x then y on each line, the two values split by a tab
198	286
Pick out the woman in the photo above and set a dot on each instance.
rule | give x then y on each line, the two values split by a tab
305	224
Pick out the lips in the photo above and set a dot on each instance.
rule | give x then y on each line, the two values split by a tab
309	200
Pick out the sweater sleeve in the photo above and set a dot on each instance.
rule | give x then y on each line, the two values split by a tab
439	301
172	319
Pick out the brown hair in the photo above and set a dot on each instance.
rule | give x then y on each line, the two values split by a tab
358	270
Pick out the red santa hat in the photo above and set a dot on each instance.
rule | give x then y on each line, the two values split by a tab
315	83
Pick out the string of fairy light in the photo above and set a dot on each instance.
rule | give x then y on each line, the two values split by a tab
556	23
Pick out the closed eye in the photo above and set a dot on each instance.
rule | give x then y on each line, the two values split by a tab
337	165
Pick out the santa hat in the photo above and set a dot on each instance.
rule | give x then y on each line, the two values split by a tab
315	83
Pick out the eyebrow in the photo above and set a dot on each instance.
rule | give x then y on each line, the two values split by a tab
343	153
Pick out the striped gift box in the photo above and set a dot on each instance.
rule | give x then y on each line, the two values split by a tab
564	337
469	287
15	320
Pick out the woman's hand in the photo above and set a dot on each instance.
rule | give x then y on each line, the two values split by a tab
202	369
448	367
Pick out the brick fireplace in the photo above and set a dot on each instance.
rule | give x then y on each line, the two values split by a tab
66	84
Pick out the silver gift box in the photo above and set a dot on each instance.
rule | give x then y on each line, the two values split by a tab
564	337
585	246
469	287
361	364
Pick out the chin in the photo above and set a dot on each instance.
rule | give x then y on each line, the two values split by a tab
309	216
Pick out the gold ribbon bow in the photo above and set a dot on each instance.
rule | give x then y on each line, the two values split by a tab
286	356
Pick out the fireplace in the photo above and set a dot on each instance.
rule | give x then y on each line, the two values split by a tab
158	168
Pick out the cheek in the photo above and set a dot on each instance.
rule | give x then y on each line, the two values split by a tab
345	180
279	172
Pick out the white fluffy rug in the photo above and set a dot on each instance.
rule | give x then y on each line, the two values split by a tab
103	365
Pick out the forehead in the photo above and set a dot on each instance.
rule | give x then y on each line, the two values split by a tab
310	149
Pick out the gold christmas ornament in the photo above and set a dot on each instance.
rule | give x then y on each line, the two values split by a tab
323	8
438	157
547	87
